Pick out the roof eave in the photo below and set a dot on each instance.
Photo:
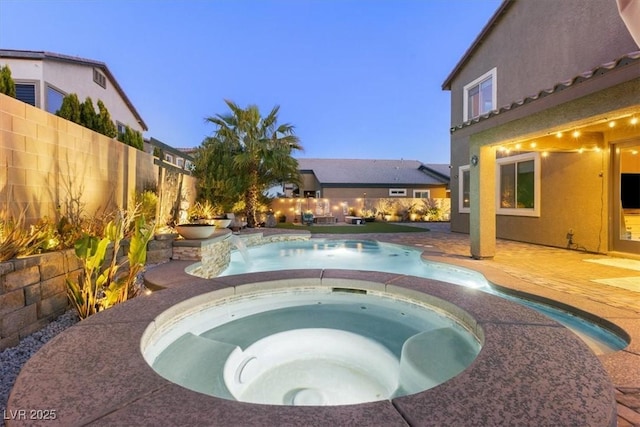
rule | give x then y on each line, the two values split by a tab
41	55
446	85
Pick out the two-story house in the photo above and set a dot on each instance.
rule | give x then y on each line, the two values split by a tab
545	129
43	79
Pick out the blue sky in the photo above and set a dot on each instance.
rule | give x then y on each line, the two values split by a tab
357	78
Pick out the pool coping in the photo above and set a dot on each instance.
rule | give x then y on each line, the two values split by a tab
531	370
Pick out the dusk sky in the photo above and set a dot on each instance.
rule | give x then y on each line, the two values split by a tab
357	78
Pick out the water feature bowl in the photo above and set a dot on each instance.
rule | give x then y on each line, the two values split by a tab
309	346
222	223
196	231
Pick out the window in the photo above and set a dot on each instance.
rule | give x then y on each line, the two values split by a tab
180	162
397	192
518	185
168	158
480	96
26	92
121	128
421	194
464	189
99	78
54	99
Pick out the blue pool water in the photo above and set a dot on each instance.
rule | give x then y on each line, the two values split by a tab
376	256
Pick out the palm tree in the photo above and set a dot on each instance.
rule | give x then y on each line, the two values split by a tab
259	150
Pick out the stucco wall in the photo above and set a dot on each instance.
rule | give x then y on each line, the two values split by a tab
336	193
537	44
46	161
71	78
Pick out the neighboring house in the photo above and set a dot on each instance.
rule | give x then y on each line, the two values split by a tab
178	157
352	178
545	129
43	79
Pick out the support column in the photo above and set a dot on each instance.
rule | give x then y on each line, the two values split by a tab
482	201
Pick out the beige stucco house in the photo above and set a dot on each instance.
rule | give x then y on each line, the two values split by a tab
545	129
44	78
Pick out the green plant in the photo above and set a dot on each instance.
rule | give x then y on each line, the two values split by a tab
432	211
70	108
15	239
148	202
101	286
7	85
247	154
203	210
131	137
104	124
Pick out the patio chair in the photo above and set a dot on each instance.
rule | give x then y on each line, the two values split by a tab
307	218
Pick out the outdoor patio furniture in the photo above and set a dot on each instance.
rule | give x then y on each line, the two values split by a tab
353	220
307	218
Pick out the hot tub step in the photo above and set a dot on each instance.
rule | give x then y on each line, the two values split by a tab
196	363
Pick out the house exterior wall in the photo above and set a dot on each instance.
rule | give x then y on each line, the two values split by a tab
380	192
534	46
69	78
537	44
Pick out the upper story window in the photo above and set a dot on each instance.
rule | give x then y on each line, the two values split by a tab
121	127
518	183
480	96
464	189
168	158
26	92
54	99
99	78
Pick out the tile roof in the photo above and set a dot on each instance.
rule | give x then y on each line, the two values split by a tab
375	171
632	58
42	55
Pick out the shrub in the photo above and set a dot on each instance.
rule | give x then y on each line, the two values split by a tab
105	280
7	85
15	239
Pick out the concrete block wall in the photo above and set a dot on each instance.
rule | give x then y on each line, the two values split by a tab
33	292
47	161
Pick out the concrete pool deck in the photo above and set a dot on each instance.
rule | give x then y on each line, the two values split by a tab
561	275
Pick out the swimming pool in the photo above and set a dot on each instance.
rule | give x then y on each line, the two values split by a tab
371	255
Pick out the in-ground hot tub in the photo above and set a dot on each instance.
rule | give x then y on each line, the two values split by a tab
310	346
530	371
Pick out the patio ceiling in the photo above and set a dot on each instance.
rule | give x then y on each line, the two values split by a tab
577	137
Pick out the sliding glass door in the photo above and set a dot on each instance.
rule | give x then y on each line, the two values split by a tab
626	197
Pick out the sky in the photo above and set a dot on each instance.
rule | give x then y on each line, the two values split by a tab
358	79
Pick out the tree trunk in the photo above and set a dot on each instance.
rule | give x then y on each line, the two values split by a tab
251	201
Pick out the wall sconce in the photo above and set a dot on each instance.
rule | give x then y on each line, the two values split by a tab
474	160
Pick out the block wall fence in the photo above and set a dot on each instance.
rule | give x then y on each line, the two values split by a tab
46	164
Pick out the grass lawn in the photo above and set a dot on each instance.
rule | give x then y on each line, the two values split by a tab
368	227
